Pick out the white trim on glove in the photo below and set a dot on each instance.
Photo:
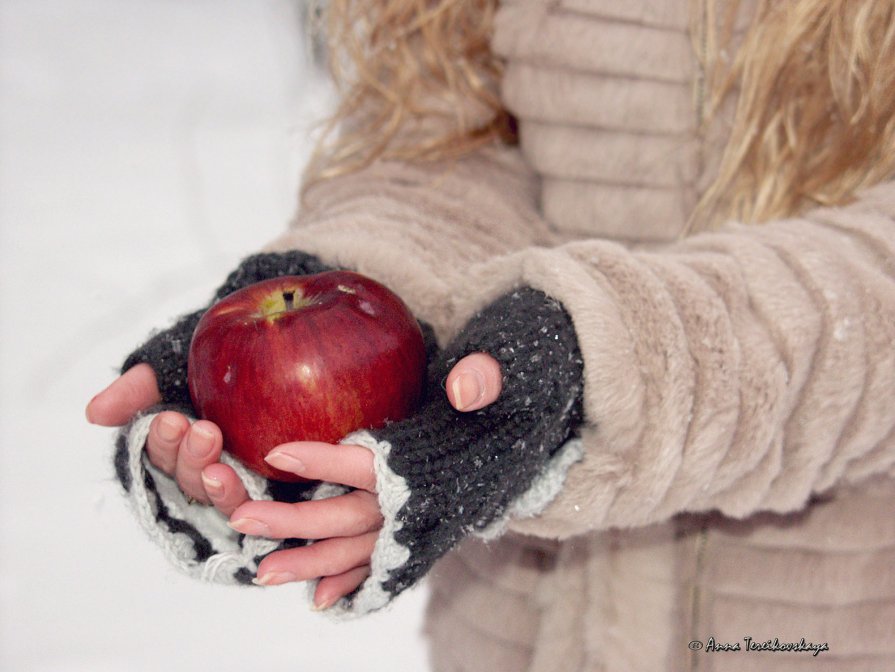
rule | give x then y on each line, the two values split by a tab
392	492
201	524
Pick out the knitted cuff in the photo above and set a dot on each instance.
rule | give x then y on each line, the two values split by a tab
166	352
195	537
443	475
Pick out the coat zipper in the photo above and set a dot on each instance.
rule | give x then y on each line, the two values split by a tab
696	594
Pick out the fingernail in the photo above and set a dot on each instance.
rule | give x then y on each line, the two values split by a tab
199	441
274	578
250	526
324	604
285	461
87	411
468	389
168	429
212	486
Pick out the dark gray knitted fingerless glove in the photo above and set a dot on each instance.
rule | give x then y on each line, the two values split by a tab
193	536
460	473
166	352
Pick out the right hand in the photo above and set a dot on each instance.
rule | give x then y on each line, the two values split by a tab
188	453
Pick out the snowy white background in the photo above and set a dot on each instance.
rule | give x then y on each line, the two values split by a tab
145	147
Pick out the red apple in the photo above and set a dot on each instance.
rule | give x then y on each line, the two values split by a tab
304	358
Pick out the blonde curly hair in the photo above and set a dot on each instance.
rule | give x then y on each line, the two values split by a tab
815	106
402	65
813	80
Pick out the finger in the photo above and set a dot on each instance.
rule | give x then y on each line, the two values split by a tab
474	382
344	516
200	447
331	588
131	392
223	487
329	557
344	464
165	434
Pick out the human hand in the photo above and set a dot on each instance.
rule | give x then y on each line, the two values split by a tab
190	454
346	526
442	475
130	393
176	447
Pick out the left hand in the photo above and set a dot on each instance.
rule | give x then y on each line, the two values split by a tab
345	528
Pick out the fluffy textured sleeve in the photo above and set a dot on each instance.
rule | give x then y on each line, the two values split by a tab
738	370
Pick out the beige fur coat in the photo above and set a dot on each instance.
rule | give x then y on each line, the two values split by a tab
738	482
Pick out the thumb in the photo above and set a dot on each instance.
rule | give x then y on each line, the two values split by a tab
474	382
131	392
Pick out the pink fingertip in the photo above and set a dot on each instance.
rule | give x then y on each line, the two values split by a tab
274	578
89	412
468	389
212	486
168	429
285	461
322	605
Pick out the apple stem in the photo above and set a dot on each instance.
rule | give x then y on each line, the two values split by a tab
289	299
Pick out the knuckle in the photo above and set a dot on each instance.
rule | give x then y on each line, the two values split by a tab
186	481
369	482
327	559
159	458
131	389
156	460
364	513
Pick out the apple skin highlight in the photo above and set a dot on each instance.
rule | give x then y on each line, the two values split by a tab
304	358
